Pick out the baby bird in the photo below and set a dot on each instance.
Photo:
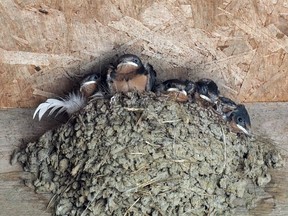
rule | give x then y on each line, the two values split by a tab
177	90
129	74
223	106
90	87
236	115
206	91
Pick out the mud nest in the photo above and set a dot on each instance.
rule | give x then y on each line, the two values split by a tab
142	155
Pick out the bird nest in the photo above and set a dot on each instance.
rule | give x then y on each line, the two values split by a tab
139	154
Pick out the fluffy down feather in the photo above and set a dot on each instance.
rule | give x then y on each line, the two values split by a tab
71	104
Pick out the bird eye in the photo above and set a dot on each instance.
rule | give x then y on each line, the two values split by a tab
169	85
205	89
239	119
136	61
94	77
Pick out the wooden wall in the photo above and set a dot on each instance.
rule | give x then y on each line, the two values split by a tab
243	44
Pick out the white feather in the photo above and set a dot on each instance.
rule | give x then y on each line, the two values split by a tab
71	104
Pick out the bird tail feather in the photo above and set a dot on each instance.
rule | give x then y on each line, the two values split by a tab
71	104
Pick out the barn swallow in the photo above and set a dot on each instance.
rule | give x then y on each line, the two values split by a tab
92	86
73	102
206	91
130	74
223	106
178	90
239	120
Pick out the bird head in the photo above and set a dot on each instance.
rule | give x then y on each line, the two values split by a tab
241	119
225	104
190	87
90	84
208	90
128	62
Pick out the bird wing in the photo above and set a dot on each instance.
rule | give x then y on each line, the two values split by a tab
151	77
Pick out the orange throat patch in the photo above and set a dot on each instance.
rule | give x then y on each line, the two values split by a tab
136	83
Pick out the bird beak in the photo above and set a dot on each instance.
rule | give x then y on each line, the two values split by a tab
127	63
206	98
246	131
86	84
176	90
184	92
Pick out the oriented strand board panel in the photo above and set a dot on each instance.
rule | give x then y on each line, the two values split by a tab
242	45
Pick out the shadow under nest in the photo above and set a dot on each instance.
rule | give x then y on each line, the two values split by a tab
144	155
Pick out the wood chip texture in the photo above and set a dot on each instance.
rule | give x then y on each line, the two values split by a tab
242	45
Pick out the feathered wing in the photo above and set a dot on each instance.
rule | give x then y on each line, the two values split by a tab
71	104
152	77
